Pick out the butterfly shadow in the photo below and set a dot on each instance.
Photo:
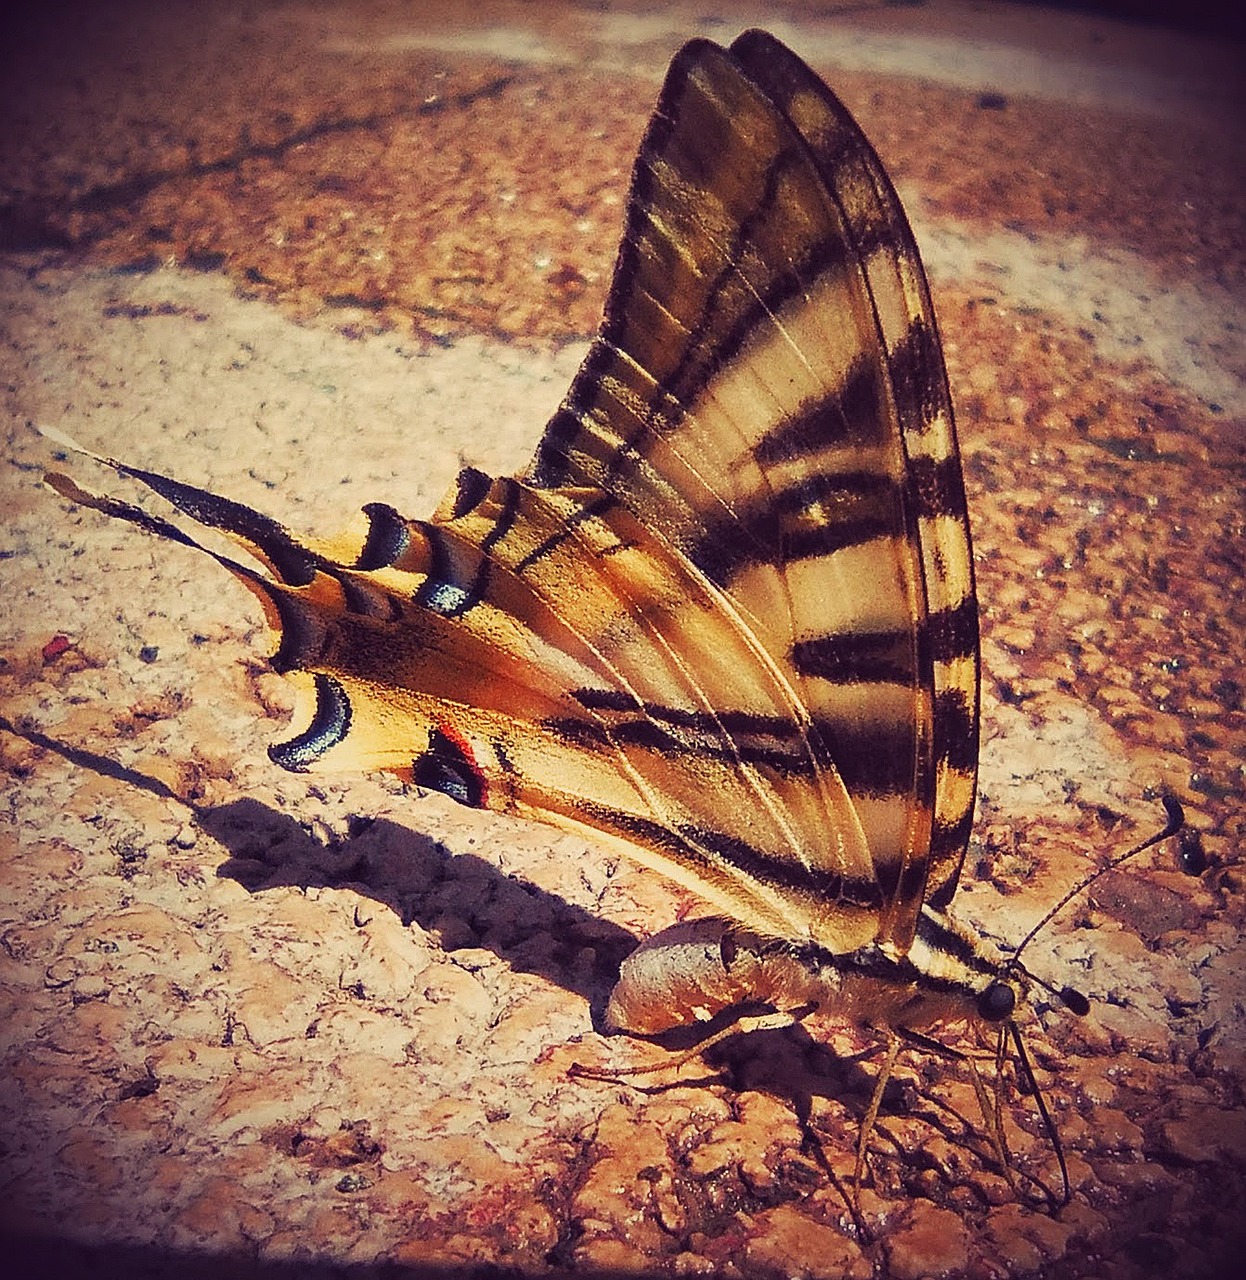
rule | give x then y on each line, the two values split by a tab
460	898
463	900
467	902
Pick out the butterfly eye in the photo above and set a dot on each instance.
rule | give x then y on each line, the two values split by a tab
997	1002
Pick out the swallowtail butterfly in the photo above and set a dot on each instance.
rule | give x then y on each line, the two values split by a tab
726	617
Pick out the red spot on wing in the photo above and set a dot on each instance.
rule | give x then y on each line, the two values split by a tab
467	760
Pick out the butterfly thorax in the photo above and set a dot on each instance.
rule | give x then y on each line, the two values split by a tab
694	971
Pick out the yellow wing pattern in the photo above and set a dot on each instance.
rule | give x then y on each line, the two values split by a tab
726	616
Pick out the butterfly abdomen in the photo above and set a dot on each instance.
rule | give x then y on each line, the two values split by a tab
694	971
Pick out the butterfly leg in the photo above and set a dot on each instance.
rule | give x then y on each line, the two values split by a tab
776	1020
990	1102
871	1115
992	1108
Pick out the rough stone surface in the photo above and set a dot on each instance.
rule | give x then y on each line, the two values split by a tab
313	256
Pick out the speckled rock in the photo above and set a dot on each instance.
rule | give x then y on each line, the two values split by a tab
257	1024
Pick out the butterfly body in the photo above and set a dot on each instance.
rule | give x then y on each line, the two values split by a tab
695	971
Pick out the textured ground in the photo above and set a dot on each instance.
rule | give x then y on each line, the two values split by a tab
315	256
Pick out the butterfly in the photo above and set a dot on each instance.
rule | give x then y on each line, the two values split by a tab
725	619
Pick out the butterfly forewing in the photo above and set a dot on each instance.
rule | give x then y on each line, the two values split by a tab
768	386
884	244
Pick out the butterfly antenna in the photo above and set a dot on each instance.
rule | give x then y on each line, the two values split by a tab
1176	820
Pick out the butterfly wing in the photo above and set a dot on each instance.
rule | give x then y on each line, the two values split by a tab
934	486
699	623
768	385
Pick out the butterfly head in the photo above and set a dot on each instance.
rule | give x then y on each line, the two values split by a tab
998	1000
960	976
